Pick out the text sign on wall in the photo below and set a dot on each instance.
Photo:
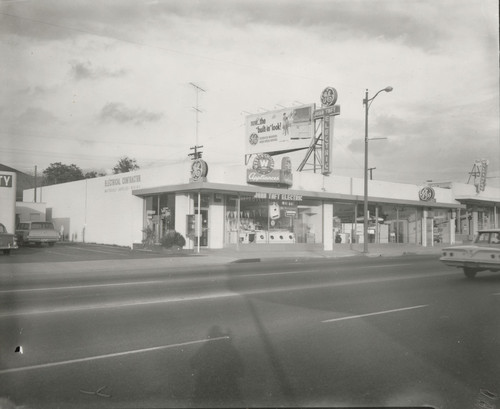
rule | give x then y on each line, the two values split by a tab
5	180
122	183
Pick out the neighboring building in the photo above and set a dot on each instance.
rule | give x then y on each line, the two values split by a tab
24	181
241	206
482	207
8	182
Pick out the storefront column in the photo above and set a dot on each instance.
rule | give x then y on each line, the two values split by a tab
328	226
424	228
495	216
216	225
377	233
475	223
452	225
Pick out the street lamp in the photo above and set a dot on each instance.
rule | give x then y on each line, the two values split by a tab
367	103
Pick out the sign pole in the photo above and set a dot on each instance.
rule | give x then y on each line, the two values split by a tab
198	233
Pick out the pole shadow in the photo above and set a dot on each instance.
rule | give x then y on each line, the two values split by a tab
217	368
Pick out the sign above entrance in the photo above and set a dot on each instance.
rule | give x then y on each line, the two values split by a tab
263	171
278	196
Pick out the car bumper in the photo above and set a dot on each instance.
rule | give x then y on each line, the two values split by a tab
473	264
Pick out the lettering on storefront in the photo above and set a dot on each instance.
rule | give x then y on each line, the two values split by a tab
276	196
5	180
122	183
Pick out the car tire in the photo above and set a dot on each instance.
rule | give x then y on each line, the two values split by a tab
470	273
51	244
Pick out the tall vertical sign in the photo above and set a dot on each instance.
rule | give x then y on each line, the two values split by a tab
326	148
483	168
328	110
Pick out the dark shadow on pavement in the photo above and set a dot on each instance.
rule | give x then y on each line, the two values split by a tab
218	368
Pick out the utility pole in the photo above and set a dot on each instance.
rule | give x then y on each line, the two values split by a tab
196	154
35	183
371	172
197	110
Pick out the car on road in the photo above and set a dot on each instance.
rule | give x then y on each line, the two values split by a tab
483	254
36	233
8	240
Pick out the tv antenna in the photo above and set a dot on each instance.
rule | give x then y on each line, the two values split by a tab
197	110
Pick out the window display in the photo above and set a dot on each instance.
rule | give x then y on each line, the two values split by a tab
269	219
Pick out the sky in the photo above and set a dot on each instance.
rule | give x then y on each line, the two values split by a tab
88	82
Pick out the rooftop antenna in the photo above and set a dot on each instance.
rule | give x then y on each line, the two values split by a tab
197	89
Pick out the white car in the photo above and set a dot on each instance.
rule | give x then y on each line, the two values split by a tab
482	254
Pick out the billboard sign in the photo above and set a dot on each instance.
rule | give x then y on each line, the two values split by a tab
281	130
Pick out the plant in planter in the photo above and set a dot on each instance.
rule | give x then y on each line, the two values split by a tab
173	239
149	237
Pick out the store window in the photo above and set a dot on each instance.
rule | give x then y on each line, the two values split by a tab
441	226
270	219
204	210
402	223
159	215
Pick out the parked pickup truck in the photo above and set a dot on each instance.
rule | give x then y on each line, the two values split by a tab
36	233
8	241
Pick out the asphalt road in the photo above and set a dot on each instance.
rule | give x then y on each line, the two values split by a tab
355	331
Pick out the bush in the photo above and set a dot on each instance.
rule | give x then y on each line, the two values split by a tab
173	238
149	236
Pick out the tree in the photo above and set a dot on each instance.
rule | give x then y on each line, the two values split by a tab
60	173
125	164
93	174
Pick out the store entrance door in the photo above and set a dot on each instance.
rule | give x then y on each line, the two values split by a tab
204	227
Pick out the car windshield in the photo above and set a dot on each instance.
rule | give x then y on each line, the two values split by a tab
41	225
3	229
488	238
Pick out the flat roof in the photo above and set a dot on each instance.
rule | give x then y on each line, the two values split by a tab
202	186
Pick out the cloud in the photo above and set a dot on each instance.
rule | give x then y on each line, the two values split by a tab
84	70
118	112
54	20
36	116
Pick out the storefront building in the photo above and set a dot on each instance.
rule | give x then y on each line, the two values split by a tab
481	208
232	206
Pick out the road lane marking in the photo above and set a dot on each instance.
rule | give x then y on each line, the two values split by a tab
210	278
107	356
374	313
83	287
211	296
130	303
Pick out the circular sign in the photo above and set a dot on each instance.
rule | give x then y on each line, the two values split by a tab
263	164
253	139
329	97
199	169
427	193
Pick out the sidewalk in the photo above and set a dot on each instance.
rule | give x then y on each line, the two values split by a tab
275	252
